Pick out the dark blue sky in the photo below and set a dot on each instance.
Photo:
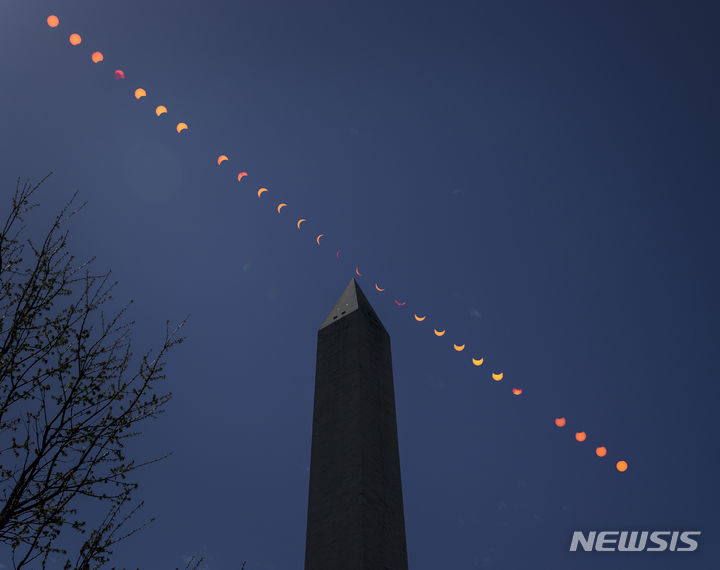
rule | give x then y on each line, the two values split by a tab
541	179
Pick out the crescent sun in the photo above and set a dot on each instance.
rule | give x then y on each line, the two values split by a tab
281	206
240	176
379	288
438	333
181	127
497	377
357	272
160	110
222	158
300	221
420	319
318	238
477	361
261	191
459	347
398	303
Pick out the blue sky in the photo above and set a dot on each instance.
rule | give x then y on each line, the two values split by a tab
540	179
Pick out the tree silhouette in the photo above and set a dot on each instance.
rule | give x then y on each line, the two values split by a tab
71	396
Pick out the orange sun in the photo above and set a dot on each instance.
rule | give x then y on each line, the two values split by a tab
97	57
621	466
53	21
75	39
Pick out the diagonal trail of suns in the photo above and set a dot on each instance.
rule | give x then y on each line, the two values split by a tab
97	57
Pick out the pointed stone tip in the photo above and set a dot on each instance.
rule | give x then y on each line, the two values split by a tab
351	300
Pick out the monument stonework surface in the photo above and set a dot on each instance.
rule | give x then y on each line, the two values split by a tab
355	507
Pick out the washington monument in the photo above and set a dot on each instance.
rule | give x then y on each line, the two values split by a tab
355	507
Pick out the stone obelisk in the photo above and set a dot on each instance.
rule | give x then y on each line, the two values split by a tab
355	507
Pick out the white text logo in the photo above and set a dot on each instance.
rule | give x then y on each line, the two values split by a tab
635	540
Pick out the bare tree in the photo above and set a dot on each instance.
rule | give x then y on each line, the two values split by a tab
71	396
